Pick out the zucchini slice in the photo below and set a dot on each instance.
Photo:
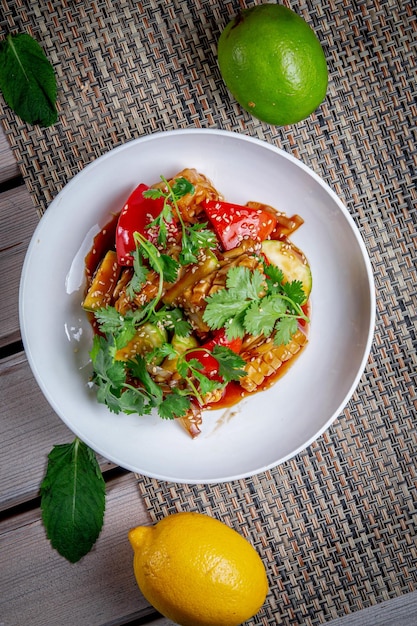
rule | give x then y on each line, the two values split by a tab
290	261
147	337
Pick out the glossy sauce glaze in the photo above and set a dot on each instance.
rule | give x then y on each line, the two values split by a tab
233	392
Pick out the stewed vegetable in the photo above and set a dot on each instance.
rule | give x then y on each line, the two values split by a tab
197	303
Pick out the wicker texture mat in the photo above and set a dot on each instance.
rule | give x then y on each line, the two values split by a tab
336	525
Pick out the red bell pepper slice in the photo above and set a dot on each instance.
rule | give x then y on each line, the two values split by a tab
208	361
233	223
136	214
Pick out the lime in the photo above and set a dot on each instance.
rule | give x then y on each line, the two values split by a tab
273	64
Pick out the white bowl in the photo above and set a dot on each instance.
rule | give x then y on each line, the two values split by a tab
263	430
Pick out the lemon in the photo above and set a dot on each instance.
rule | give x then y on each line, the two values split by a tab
197	571
273	64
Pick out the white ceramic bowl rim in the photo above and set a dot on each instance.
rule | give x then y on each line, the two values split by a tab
270	427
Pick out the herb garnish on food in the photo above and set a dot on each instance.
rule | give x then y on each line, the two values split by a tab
257	304
27	80
194	236
154	356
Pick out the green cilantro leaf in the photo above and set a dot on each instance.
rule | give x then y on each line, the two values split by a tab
181	187
163	264
27	80
109	320
206	385
230	363
295	292
261	316
121	328
169	268
274	278
154	193
174	405
161	352
226	307
171	319
253	304
137	367
245	283
72	499
222	306
140	274
109	395
196	238
235	327
285	329
107	372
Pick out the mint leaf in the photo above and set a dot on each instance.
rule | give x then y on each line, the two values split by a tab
27	80
73	499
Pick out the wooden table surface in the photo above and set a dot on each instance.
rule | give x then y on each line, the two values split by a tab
37	586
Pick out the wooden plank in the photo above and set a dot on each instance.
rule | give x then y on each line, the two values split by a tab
39	587
8	166
28	430
18	220
401	611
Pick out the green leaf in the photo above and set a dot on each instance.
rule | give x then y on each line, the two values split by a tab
285	329
181	187
261	316
174	405
206	385
170	268
122	328
140	274
153	193
196	238
138	369
222	306
274	279
106	369
230	363
27	80
295	292
244	283
73	499
134	401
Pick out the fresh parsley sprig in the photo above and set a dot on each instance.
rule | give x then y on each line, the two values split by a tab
195	237
255	303
163	264
114	389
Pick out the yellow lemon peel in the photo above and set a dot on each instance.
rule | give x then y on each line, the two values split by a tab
197	571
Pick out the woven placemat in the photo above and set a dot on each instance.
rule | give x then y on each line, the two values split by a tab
336	525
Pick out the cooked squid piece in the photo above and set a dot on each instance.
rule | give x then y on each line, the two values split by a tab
264	358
